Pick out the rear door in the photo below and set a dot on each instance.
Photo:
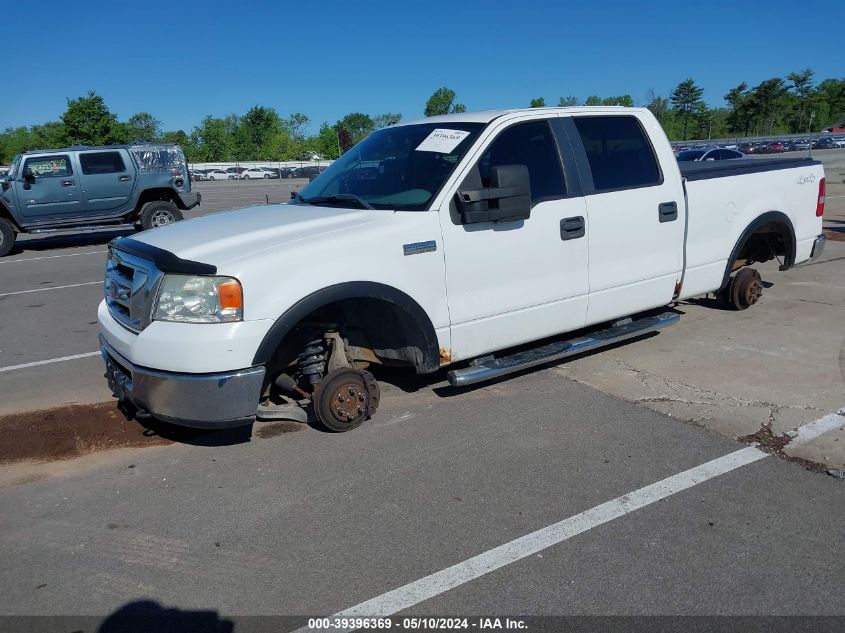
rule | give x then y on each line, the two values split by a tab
107	178
52	192
636	234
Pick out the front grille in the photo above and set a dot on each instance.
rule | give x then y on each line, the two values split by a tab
130	287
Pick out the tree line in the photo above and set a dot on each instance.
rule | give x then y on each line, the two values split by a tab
792	104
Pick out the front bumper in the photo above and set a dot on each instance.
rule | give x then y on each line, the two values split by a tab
818	246
209	401
190	199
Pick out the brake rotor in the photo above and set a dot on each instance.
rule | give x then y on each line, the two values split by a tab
345	398
746	288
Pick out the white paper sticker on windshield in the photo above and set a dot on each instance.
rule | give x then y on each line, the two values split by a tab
442	141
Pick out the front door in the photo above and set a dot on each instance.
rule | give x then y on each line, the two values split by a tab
107	183
513	282
47	188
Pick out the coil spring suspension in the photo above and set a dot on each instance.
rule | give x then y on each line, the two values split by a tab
312	361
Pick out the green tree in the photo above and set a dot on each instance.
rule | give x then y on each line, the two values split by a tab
593	100
442	101
737	98
388	118
621	100
143	126
87	121
358	124
539	102
325	143
256	134
686	98
801	84
659	106
829	102
296	123
183	140
568	102
212	140
766	101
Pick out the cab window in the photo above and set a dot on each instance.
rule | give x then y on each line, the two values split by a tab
49	166
101	163
619	152
530	144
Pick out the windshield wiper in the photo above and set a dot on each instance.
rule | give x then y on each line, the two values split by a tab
295	195
339	197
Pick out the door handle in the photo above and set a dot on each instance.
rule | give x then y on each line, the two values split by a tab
124	178
67	183
667	211
572	228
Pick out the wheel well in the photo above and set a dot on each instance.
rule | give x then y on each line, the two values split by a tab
158	193
5	213
768	236
385	326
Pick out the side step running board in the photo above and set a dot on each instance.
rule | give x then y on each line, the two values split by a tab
84	228
489	367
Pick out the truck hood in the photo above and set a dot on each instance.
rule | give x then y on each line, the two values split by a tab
223	237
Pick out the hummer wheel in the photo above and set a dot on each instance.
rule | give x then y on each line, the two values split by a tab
7	237
158	213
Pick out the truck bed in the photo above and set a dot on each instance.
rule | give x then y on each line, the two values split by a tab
692	170
724	197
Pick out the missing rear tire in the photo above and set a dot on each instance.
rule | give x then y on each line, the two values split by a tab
745	289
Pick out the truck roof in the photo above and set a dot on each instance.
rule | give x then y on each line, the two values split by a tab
488	115
76	148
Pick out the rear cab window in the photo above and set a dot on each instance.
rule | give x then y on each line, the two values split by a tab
93	163
619	152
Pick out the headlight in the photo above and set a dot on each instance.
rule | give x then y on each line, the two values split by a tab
194	299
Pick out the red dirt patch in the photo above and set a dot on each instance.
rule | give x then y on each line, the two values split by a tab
68	432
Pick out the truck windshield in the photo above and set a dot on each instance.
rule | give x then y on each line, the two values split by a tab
14	167
400	167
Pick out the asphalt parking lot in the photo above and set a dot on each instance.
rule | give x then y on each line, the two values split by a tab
610	484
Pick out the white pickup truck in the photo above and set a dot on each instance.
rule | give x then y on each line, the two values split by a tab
474	240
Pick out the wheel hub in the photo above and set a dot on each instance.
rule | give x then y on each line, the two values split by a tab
753	292
349	402
161	218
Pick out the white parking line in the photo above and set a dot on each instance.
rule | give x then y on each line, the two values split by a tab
425	588
33	259
23	292
49	361
812	430
439	582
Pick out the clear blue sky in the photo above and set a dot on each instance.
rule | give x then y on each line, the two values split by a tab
183	60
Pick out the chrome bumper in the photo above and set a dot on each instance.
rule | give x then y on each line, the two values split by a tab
209	401
818	246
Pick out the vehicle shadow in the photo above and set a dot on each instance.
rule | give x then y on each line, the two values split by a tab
187	435
144	616
712	302
409	382
40	244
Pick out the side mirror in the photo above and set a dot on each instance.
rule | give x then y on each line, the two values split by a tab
28	178
507	199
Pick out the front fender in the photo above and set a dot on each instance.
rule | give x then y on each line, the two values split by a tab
427	338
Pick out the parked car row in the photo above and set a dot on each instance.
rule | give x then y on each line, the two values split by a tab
255	173
696	151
